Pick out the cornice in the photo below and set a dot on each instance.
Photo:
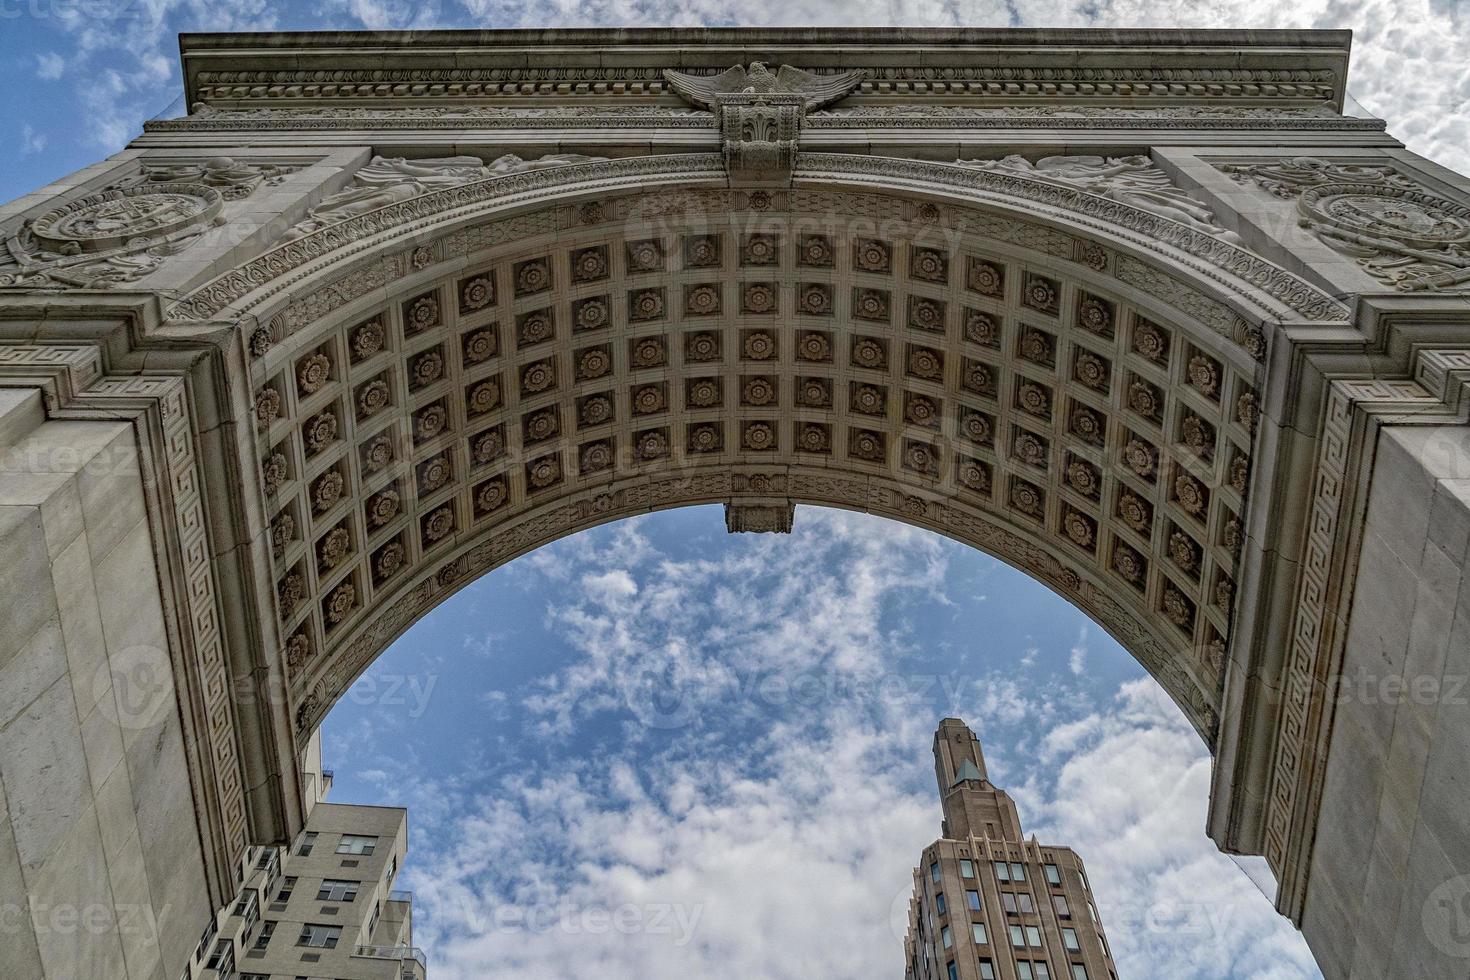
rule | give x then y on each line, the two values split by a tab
908	114
1174	66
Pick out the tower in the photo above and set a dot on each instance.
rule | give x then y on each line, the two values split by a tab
989	904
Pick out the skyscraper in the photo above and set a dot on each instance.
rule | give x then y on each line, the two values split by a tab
987	903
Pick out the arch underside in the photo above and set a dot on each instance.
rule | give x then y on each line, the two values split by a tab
461	396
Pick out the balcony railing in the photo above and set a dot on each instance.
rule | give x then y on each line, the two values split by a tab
393	953
399	895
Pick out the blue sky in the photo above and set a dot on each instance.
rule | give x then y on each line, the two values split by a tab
721	743
725	740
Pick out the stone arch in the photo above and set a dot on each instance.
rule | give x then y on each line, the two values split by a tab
1064	381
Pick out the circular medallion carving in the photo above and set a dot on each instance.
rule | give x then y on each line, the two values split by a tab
1413	217
113	219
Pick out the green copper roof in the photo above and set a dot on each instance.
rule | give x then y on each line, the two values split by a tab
967	771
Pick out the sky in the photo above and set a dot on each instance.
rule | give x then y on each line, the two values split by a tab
655	750
672	752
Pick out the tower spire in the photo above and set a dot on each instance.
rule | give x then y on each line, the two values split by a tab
972	806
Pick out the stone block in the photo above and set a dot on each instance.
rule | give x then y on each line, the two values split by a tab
135	919
112	494
116	810
1446	788
19	956
164	804
81	624
74	882
45	772
102	741
129	603
1449	518
38	665
25	578
1402	491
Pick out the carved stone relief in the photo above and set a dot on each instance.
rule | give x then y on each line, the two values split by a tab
760	113
386	181
1400	232
125	231
813	91
1132	180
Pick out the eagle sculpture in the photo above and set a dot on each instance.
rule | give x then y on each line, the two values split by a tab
816	90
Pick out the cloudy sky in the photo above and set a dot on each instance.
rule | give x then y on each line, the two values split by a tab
659	751
722	742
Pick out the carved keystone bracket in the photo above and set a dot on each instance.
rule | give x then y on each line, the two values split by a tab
760	114
761	135
764	515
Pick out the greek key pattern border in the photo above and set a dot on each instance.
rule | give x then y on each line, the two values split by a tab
92	394
1297	771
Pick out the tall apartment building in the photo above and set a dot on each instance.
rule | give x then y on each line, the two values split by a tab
987	903
323	909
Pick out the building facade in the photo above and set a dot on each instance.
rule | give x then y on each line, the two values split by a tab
988	904
1145	314
323	908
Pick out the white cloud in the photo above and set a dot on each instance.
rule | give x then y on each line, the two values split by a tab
1408	55
31	141
1130	798
50	66
1077	659
716	849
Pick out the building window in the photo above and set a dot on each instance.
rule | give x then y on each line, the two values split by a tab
972	899
1023	970
1059	902
333	890
1069	939
307	842
392	870
1018	871
1079	972
946	939
1009	901
356	844
977	931
967	868
1033	936
1027	905
1018	938
222	960
934	872
323	937
267	929
210	928
939	904
1053	876
286	888
1002	871
954	974
987	970
1042	972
